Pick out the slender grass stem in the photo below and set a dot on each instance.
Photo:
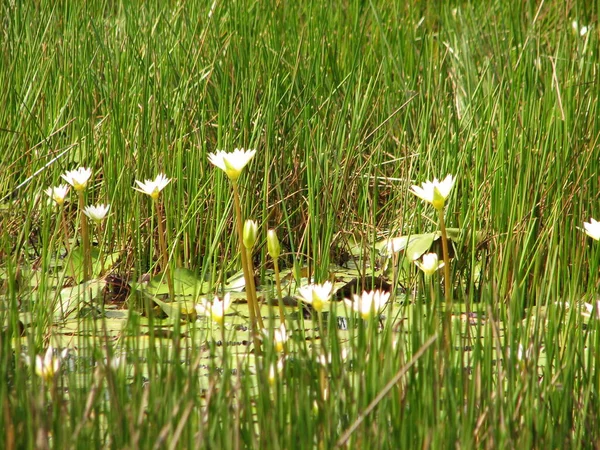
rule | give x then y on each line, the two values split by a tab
322	330
67	238
102	257
224	345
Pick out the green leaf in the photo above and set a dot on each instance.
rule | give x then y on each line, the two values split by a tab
73	298
185	283
74	265
183	310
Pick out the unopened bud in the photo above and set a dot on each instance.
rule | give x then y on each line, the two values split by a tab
250	232
273	244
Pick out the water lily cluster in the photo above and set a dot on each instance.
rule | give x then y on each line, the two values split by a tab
78	179
366	305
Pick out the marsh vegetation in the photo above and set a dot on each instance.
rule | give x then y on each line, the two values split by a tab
158	290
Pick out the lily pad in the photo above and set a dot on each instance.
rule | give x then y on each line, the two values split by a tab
185	282
74	265
73	298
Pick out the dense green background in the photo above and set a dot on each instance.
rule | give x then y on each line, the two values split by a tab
348	104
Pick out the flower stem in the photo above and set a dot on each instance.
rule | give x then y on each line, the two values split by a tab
432	304
100	233
447	280
279	291
224	346
65	229
246	269
163	249
66	238
259	320
85	237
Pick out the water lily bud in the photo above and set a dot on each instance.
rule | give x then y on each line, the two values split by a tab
250	233
273	244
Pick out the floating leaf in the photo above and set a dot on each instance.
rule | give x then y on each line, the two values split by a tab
73	298
236	282
185	283
178	310
74	264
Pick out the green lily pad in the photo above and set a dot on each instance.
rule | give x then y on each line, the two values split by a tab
185	282
73	298
74	265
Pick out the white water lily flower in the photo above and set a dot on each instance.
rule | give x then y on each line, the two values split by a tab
395	245
58	193
274	370
587	309
215	310
97	213
78	178
326	360
231	163
48	365
430	263
280	337
592	229
581	31
435	192
318	295
153	187
369	303
117	362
